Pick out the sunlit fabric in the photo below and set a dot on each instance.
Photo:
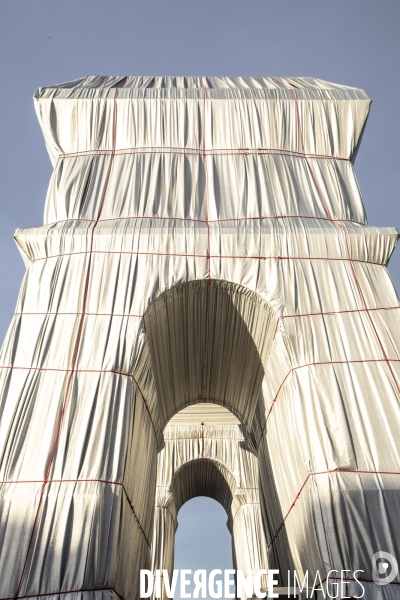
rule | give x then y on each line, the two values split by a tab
204	240
215	460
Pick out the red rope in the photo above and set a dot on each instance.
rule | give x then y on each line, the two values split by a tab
203	151
281	318
76	314
347	242
329	313
313	364
61	593
206	203
231	439
348	250
244	504
306	365
193	220
328	212
75	352
206	199
353	471
13	482
115	372
208	256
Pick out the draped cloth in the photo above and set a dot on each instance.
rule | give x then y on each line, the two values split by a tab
204	240
215	460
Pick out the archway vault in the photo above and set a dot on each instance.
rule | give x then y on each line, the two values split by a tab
203	477
209	342
214	459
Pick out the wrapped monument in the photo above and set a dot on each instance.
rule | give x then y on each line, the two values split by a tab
204	241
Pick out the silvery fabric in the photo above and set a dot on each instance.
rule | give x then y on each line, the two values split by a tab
204	240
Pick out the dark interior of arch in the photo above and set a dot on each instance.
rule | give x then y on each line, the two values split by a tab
203	477
209	341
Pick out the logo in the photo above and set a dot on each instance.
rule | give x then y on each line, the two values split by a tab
384	567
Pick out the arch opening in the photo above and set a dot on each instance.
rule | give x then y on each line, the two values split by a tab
209	341
203	477
202	539
193	479
208	452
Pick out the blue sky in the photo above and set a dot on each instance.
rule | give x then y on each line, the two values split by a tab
44	42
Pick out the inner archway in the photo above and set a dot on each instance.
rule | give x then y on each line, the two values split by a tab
208	452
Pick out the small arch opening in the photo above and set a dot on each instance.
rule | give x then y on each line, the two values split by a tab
202	540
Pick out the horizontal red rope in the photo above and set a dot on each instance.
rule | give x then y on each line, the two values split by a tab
207	257
113	371
238	488
353	471
331	313
281	318
244	504
47	481
320	363
61	593
328	362
11	367
77	314
202	152
204	221
200	437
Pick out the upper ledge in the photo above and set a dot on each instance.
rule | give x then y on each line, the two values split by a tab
259	240
266	87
